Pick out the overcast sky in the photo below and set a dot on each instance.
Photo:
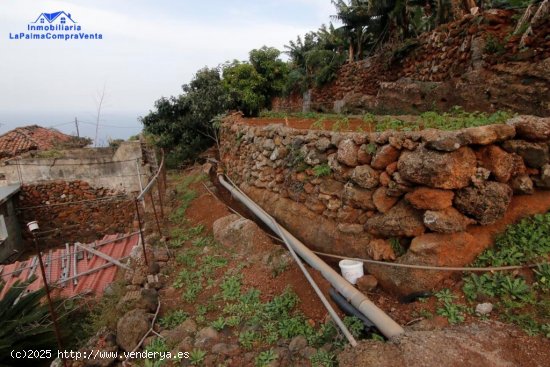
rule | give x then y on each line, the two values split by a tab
149	49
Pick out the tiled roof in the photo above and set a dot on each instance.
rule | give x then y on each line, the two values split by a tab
59	266
34	137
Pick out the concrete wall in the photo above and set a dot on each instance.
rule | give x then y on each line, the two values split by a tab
13	243
368	194
118	169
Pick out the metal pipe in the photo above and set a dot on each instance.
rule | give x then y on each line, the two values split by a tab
141	233
383	322
53	314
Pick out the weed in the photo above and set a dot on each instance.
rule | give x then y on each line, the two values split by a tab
219	323
355	325
265	358
157	345
341	124
196	356
231	287
542	273
322	358
453	313
371	148
191	292
445	296
494	46
247	339
398	249
173	319
319	123
322	170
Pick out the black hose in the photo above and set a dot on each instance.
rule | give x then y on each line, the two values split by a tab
349	309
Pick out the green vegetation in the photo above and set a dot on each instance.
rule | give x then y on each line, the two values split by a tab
173	319
265	358
24	322
322	358
517	300
453	312
322	170
196	356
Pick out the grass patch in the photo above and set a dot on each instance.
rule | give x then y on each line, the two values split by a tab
524	303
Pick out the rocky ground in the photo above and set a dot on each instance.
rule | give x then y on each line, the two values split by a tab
231	296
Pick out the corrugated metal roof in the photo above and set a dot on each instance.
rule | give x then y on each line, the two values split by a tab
7	191
60	267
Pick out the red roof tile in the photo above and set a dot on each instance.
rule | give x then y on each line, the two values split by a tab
56	260
34	137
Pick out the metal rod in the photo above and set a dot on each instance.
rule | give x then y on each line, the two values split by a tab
141	233
155	212
87	272
103	256
50	303
159	184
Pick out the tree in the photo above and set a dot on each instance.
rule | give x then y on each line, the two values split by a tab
183	124
271	68
245	86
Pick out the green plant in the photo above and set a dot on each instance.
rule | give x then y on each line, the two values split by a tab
231	287
173	319
542	273
371	148
196	356
494	46
355	325
322	358
398	249
247	339
452	312
341	124
319	124
445	296
265	358
219	323
322	170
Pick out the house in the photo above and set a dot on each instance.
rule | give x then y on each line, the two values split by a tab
60	16
11	242
34	137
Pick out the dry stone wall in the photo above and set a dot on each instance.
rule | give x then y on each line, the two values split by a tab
482	63
71	211
379	194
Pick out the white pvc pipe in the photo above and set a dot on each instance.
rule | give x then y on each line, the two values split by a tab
383	322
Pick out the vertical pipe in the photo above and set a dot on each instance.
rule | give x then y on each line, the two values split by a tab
50	303
155	212
139	180
160	198
141	233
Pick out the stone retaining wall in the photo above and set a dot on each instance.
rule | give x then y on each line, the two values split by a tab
379	194
69	211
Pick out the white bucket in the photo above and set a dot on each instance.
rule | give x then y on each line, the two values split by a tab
351	270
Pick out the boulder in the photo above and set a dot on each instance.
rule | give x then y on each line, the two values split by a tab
367	283
496	160
331	187
531	128
485	135
297	343
365	176
535	155
384	156
446	141
544	180
236	232
380	249
382	201
522	185
358	197
448	220
363	157
146	299
131	328
206	336
438	249
400	221
322	144
486	203
347	152
436	169
430	199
